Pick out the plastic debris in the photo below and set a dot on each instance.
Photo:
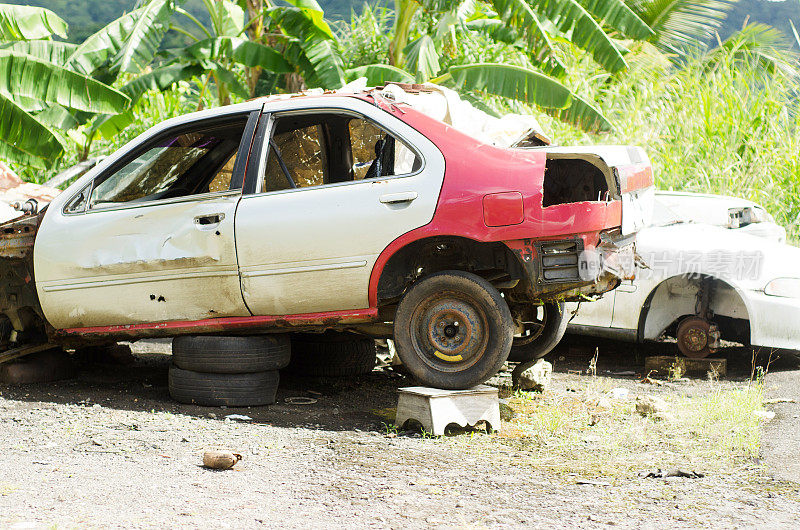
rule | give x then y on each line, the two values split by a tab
238	417
619	393
764	415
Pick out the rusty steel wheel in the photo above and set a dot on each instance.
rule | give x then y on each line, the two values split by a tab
450	330
693	337
453	330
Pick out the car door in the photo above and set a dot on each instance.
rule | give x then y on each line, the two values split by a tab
150	238
334	186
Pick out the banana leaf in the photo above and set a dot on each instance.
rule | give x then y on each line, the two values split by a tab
26	76
514	82
28	23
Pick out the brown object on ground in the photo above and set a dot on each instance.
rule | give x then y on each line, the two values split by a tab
220	459
664	365
42	367
650	405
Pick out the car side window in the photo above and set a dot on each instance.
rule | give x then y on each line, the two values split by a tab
316	149
188	162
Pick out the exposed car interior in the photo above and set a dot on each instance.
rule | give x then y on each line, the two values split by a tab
315	149
569	180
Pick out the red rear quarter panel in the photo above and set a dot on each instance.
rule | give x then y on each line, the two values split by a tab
473	170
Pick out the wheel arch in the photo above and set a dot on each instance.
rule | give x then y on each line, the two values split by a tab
399	267
675	297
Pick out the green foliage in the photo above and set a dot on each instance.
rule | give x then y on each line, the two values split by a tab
379	74
39	90
24	138
732	129
312	45
513	82
32	78
27	22
682	23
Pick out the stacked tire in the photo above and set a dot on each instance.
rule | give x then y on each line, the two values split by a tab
332	354
216	371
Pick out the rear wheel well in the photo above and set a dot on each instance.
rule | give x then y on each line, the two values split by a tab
491	261
678	297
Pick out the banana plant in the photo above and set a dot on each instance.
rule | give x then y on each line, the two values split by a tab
40	92
679	25
425	30
293	40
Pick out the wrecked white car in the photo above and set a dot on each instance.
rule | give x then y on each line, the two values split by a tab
354	212
718	268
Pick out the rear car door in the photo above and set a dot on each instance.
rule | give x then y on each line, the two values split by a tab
150	238
334	185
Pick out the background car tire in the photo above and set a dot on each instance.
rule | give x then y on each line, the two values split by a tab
332	354
552	331
453	330
231	355
216	390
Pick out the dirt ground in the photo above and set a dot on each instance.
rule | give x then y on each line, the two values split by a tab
110	449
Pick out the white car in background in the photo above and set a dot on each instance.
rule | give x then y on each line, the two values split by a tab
717	269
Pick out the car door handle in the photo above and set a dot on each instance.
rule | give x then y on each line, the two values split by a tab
205	221
397	198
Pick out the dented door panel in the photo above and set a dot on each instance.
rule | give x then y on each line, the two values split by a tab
313	249
148	263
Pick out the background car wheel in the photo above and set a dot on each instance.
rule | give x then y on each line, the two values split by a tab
332	354
453	330
540	337
696	336
216	390
231	355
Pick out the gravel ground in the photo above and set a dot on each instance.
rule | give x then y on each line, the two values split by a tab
109	449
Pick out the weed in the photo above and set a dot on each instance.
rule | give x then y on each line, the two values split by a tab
389	428
675	370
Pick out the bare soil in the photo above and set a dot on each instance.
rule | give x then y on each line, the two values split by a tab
110	449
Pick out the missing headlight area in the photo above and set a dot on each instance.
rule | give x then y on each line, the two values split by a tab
569	179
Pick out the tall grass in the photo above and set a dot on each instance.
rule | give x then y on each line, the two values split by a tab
722	126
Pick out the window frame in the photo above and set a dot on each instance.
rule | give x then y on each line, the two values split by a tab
266	127
236	185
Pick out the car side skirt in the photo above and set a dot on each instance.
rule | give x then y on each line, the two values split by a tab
265	323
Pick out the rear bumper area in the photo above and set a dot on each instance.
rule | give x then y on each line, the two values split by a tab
573	268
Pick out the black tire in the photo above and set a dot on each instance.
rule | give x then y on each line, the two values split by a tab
332	354
216	390
231	355
545	335
453	330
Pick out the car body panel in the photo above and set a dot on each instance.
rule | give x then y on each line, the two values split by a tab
677	254
140	264
330	270
307	257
